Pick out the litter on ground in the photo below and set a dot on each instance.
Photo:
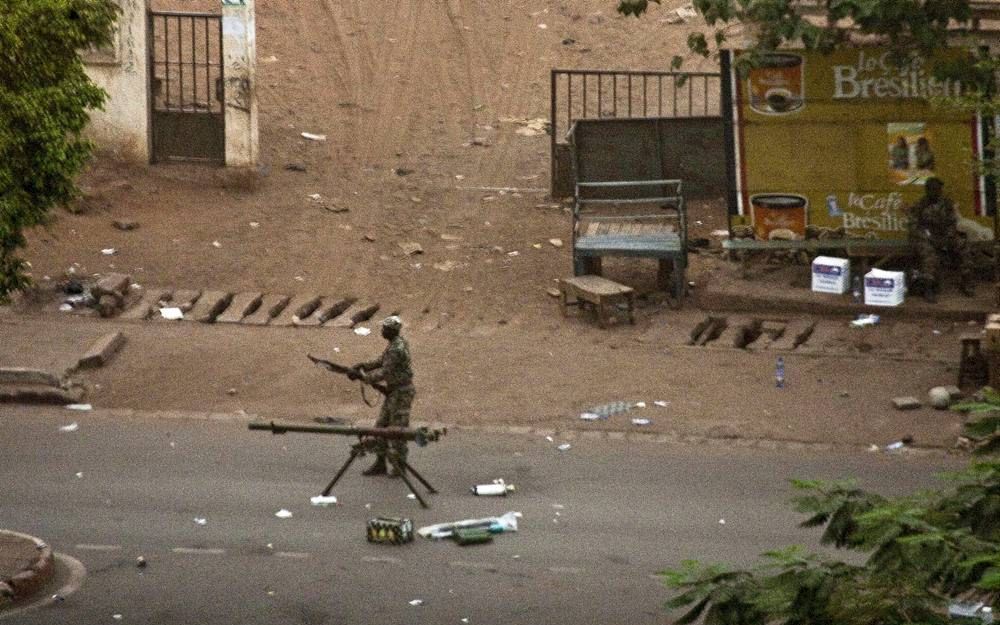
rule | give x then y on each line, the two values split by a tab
641	421
506	522
564	447
313	137
172	313
72	427
362	331
865	320
283	514
80	407
321	501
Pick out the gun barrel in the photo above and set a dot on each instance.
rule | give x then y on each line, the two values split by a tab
420	435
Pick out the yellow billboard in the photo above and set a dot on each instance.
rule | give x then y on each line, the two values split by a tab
844	142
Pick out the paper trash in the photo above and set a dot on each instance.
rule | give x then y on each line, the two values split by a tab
72	427
321	501
80	407
283	514
172	313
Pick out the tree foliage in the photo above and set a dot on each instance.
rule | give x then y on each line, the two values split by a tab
919	552
907	26
44	98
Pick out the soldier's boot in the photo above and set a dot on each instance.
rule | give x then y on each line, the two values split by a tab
376	469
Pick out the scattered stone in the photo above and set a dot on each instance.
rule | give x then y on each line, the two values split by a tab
568	41
448	265
112	284
368	237
411	248
230	391
553	292
939	397
109	305
906	403
556	242
295	167
125	225
140	562
402	171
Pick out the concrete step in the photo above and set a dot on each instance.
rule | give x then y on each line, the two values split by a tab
738	331
147	302
300	307
796	332
354	315
242	304
269	308
210	305
329	308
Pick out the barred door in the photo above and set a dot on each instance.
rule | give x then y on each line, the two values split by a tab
186	87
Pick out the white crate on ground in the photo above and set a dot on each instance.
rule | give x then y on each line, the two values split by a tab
831	275
884	288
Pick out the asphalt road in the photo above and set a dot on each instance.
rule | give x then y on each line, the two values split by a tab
600	519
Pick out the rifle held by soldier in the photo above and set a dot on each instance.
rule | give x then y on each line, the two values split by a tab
352	373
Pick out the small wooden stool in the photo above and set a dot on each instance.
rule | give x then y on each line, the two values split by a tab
972	368
600	293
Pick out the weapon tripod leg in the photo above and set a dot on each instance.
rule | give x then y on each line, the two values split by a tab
355	452
409	467
400	466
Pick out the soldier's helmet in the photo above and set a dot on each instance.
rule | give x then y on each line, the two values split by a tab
393	323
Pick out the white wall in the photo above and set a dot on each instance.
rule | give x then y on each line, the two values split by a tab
123	126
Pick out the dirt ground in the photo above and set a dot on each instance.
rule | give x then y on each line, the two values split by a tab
400	88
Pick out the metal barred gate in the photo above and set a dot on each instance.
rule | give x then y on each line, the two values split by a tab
187	92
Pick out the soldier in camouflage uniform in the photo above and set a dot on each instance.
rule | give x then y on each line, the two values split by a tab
395	370
934	234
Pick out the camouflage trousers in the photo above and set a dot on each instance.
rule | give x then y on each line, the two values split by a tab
932	253
395	411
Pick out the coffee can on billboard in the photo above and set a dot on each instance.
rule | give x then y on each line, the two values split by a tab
779	216
776	86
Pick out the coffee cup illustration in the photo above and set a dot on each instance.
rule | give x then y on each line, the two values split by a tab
779	215
775	86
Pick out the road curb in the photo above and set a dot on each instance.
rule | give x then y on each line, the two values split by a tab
562	434
31	576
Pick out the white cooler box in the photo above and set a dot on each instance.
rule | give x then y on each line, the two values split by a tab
831	275
884	288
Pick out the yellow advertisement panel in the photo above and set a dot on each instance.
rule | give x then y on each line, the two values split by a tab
845	143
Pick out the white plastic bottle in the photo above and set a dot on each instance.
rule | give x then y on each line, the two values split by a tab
496	489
